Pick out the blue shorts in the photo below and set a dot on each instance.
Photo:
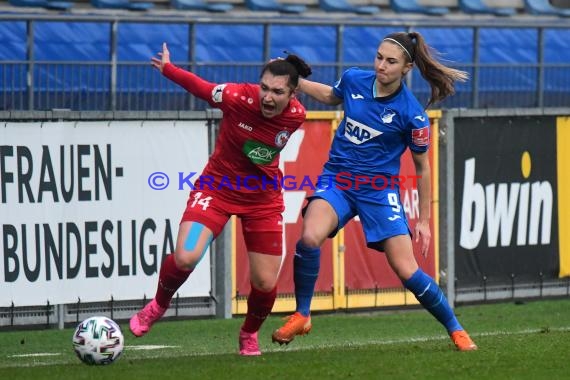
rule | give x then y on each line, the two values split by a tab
380	211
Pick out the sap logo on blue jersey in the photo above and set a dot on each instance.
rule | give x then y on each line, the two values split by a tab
359	133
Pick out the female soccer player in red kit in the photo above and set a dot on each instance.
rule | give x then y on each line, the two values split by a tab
257	122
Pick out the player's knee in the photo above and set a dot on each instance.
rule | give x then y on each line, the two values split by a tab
311	239
404	271
186	260
264	284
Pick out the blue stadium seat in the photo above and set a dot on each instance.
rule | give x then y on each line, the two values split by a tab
478	7
412	6
273	5
55	5
122	4
200	5
543	7
344	6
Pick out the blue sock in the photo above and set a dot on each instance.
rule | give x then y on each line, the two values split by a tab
431	297
306	264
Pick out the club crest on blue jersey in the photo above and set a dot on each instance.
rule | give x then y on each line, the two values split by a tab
387	116
281	138
359	133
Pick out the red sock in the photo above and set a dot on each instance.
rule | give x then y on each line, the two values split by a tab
169	280
259	305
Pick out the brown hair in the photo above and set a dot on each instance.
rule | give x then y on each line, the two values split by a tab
293	66
440	77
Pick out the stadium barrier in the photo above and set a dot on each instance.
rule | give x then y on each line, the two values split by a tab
90	205
505	223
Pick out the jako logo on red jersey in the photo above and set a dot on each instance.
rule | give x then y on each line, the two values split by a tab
359	133
245	126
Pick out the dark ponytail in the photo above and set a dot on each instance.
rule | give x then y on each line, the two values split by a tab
293	66
300	65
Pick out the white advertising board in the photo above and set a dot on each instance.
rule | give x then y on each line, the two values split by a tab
79	218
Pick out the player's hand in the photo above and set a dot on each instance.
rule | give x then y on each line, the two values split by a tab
164	58
423	234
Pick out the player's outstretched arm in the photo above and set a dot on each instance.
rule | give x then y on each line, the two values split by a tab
159	63
320	92
189	81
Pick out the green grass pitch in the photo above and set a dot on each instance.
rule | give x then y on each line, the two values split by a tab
529	340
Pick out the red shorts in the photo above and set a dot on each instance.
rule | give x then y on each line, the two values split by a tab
262	223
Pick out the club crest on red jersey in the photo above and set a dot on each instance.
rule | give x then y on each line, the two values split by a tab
218	92
281	138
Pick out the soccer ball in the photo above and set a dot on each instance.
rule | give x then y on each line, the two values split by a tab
98	340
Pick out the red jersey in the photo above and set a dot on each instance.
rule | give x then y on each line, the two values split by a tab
245	164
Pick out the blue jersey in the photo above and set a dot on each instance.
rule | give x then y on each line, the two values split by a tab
375	131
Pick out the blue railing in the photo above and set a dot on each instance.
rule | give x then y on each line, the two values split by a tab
103	64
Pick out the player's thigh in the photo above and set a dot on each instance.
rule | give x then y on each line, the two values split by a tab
263	234
192	243
201	223
326	213
319	221
386	229
262	228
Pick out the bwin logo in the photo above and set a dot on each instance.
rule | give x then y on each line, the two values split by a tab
499	204
359	133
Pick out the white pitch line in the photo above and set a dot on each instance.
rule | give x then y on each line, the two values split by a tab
526	331
310	347
148	347
38	354
134	348
414	340
385	342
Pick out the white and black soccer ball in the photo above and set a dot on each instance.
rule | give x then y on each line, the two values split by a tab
98	340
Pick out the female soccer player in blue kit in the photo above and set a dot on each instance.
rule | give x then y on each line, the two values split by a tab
382	118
